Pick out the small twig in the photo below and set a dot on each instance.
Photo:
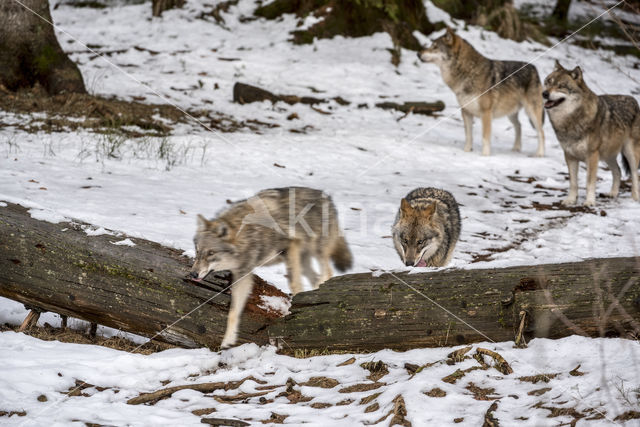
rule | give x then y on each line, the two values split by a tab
520	341
501	364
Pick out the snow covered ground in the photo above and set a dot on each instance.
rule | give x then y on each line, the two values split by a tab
366	158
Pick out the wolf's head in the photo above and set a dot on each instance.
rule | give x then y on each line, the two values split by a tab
563	89
442	49
416	234
215	250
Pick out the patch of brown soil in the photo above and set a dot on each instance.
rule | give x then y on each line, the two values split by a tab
377	369
322	382
545	378
49	333
480	393
74	111
361	387
436	392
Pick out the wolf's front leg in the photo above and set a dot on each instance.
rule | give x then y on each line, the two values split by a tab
486	133
240	291
573	166
592	175
467	118
615	173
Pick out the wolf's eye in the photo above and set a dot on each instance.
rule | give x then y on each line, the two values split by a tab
405	242
211	253
421	242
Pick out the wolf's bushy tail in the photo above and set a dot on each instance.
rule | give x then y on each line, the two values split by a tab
341	255
626	166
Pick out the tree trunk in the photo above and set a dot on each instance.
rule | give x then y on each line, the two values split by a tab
140	289
561	11
29	50
159	6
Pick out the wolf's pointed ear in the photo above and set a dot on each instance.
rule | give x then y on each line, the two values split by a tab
558	66
221	229
430	210
576	73
202	223
448	36
405	207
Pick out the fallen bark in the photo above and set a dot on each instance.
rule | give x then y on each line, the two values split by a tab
245	94
140	289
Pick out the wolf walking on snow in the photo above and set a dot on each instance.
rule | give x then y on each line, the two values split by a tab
426	228
488	88
290	225
590	128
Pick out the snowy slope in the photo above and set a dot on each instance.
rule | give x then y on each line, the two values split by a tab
366	158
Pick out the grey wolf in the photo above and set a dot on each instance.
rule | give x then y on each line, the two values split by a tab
290	225
590	128
478	84
426	227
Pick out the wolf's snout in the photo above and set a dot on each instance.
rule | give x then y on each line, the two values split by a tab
419	53
408	263
193	274
545	94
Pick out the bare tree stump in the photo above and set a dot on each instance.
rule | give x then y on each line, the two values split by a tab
30	52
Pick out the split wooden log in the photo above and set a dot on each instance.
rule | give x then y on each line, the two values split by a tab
424	108
29	321
141	289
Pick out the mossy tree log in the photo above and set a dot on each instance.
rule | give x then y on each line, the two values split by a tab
599	297
30	52
140	289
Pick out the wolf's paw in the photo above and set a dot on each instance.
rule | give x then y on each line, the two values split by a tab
540	153
635	197
516	148
569	201
486	152
589	203
227	343
612	194
468	149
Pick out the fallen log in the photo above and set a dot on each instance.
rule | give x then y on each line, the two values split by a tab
245	94
141	289
598	297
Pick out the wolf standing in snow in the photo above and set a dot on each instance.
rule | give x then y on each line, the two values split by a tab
426	228
290	225
488	88
591	127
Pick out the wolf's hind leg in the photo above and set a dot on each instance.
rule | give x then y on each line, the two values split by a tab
629	152
309	272
486	132
536	116
467	118
239	293
517	145
294	267
574	166
615	173
325	267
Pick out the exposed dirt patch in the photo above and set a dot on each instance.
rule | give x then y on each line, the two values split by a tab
545	378
49	333
377	369
322	382
361	387
436	392
480	393
131	118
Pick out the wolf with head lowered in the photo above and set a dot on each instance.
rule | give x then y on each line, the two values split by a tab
488	88
590	128
426	228
290	225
